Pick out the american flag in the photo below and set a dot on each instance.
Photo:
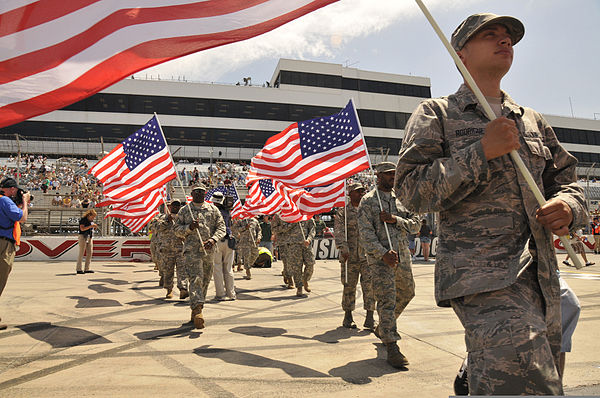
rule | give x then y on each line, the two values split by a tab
56	53
136	214
315	152
317	200
139	165
227	190
264	198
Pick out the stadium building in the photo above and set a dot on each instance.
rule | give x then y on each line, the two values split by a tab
209	122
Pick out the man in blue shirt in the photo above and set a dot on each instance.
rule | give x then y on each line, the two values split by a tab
10	231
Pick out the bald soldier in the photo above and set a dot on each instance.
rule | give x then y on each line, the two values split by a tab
495	262
393	282
353	260
198	254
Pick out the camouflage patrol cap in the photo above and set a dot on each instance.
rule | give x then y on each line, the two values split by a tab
199	187
175	202
475	22
355	186
384	167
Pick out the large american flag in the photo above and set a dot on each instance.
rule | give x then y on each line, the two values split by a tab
263	198
137	213
55	53
314	152
317	200
139	165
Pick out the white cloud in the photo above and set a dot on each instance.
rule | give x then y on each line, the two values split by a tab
318	34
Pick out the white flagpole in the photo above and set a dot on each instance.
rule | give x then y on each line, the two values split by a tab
346	233
387	232
179	182
491	115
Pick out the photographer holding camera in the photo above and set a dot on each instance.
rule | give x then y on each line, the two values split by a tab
11	218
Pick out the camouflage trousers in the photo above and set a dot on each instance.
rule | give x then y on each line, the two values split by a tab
169	263
357	269
287	273
506	334
198	269
298	255
393	289
154	252
248	255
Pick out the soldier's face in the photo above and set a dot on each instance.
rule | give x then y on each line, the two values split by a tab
198	195
175	209
386	180
356	195
490	49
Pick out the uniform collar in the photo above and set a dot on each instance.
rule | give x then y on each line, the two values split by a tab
465	99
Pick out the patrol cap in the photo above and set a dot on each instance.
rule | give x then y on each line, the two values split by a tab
475	22
384	167
10	183
355	186
217	198
199	187
175	202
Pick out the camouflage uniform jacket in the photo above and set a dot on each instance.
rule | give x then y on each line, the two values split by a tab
351	243
487	211
276	227
211	224
372	231
166	235
247	232
291	232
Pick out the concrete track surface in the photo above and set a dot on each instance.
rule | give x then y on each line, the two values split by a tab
113	334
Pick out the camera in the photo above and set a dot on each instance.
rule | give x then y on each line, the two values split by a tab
18	199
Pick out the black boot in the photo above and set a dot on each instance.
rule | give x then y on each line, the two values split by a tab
369	321
348	321
395	357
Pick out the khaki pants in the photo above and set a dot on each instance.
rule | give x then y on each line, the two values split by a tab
7	257
85	247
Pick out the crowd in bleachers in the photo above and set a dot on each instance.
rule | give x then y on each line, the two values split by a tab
67	178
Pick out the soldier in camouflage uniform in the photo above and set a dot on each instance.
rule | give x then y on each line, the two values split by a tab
393	282
206	219
495	262
298	251
353	259
280	241
169	251
154	248
248	235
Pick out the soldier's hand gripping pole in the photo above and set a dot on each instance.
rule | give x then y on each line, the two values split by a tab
491	115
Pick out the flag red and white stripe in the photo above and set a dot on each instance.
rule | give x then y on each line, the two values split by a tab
136	214
317	200
56	52
315	152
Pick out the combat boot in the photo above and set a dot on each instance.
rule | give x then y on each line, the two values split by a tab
299	292
395	357
197	317
305	283
183	294
369	321
290	282
169	294
348	321
248	274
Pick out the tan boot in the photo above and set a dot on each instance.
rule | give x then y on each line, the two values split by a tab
305	282
248	274
299	292
183	294
197	317
169	294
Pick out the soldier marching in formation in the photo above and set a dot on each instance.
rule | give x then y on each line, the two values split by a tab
248	235
295	240
393	281
353	260
201	226
280	240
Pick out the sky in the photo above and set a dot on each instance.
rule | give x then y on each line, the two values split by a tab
556	67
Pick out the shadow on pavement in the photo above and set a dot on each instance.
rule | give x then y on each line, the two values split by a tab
111	281
185	330
100	288
61	336
257	361
363	372
84	302
340	333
